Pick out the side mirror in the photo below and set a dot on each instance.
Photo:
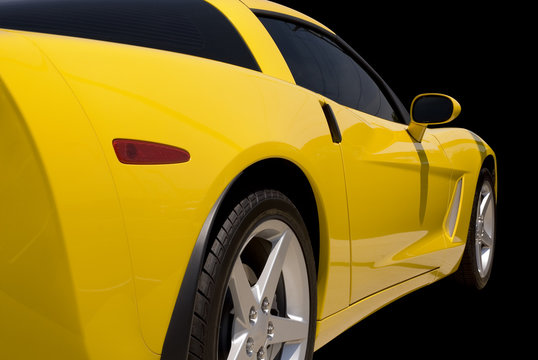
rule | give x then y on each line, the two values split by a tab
431	109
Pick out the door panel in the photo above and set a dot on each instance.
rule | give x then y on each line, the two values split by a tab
397	190
397	198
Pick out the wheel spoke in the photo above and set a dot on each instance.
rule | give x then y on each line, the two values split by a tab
242	295
268	280
487	240
273	351
485	230
484	259
286	330
484	204
238	348
294	351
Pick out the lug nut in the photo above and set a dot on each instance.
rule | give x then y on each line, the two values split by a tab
261	354
270	329
250	346
265	305
253	315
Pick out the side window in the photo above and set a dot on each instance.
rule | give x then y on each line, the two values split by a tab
319	64
192	27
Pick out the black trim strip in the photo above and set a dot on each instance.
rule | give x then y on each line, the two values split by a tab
333	124
176	342
403	114
290	18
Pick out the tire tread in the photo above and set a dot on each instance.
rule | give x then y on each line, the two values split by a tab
216	254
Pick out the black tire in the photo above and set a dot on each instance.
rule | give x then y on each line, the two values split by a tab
242	247
475	271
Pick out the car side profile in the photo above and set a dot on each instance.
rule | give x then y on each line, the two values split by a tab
217	179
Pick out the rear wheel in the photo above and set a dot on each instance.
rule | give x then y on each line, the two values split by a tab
477	261
256	294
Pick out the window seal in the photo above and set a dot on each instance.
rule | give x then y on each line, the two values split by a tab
395	102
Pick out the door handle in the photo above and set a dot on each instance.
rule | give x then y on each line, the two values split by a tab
331	121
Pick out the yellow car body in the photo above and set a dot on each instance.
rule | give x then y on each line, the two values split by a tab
93	252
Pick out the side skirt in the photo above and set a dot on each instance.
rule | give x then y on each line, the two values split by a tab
333	325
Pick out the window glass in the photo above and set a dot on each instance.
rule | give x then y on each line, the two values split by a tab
319	64
191	27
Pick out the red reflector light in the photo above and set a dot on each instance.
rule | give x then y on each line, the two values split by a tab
148	153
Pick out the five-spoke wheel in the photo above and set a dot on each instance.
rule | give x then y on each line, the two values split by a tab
268	319
485	229
257	293
477	261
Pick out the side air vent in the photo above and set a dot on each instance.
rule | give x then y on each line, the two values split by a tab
454	211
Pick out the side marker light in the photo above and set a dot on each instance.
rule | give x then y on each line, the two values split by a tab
141	152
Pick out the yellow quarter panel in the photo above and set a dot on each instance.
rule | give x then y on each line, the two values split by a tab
65	240
31	253
227	118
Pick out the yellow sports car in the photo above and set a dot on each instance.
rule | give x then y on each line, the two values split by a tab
219	179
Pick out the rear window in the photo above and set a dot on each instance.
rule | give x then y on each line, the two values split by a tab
191	27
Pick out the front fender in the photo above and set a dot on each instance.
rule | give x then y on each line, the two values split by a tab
467	153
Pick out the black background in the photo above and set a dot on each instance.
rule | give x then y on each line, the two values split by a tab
473	53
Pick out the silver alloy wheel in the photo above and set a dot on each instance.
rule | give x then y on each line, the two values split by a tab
485	229
258	332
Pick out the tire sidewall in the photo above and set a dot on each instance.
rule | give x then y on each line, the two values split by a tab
279	208
471	250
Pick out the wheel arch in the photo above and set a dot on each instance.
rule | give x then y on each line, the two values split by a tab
271	173
277	174
490	164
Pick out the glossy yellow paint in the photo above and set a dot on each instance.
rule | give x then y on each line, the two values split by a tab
330	327
256	37
66	285
467	152
165	206
431	254
102	246
397	197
